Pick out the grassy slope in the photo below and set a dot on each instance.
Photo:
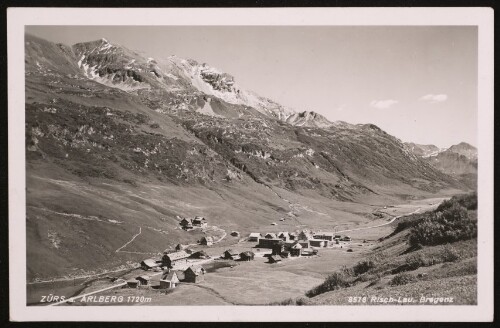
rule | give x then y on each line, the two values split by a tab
433	271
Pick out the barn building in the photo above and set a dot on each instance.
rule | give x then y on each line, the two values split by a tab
274	259
325	236
254	236
231	255
247	256
270	235
194	274
143	280
132	283
296	249
199	221
317	242
283	235
268	243
278	248
209	241
149	264
184	222
199	255
172	259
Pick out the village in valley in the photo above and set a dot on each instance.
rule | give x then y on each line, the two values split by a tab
184	265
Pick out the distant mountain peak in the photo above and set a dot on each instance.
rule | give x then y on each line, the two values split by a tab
464	149
309	119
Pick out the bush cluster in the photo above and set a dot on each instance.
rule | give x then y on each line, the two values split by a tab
402	279
363	266
468	201
450	224
339	279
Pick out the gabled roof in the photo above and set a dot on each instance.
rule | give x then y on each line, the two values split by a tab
170	276
255	234
199	253
150	263
144	277
283	234
296	245
247	253
177	255
184	220
231	252
196	269
270	234
275	258
198	220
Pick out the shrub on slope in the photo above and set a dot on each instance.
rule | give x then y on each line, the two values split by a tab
451	225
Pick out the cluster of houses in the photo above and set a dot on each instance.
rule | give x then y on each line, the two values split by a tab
197	222
285	244
172	260
170	278
231	254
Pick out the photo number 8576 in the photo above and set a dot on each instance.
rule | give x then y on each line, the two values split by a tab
357	299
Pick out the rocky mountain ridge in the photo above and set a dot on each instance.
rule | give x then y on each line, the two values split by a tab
118	67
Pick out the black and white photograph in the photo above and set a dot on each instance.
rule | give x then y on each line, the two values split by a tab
268	165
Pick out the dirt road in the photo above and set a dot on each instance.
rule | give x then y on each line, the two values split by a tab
383	224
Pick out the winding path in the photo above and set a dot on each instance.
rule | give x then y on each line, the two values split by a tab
383	224
131	240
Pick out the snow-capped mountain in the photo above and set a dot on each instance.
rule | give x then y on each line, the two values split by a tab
423	150
118	67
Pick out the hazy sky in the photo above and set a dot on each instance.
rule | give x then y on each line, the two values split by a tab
417	83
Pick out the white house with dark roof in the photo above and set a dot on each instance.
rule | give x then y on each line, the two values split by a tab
170	280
